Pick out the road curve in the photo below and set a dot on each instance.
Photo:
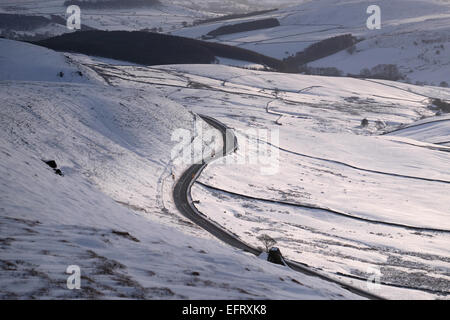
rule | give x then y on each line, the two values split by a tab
183	201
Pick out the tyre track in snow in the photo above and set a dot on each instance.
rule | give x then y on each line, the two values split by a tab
416	125
183	201
329	210
341	163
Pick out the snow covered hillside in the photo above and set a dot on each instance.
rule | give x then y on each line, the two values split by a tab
233	6
414	35
162	18
20	62
347	199
111	213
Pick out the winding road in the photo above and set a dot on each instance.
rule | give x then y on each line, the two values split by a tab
183	201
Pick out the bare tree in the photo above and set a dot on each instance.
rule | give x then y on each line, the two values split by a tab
267	241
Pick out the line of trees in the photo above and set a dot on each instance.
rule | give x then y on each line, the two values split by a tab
319	50
245	26
382	71
442	105
152	48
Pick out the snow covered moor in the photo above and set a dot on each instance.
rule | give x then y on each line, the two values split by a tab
128	180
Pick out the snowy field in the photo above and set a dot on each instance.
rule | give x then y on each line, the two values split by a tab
112	212
166	16
349	200
234	6
342	198
414	35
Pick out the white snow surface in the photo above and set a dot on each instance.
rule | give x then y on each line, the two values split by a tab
26	62
112	212
381	199
414	35
167	16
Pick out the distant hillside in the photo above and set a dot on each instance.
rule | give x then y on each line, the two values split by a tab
22	22
152	48
233	16
27	27
414	38
111	4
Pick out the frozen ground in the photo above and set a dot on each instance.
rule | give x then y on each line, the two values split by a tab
414	35
111	213
234	6
165	17
342	198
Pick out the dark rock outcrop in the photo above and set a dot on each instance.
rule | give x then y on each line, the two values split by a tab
52	164
275	256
